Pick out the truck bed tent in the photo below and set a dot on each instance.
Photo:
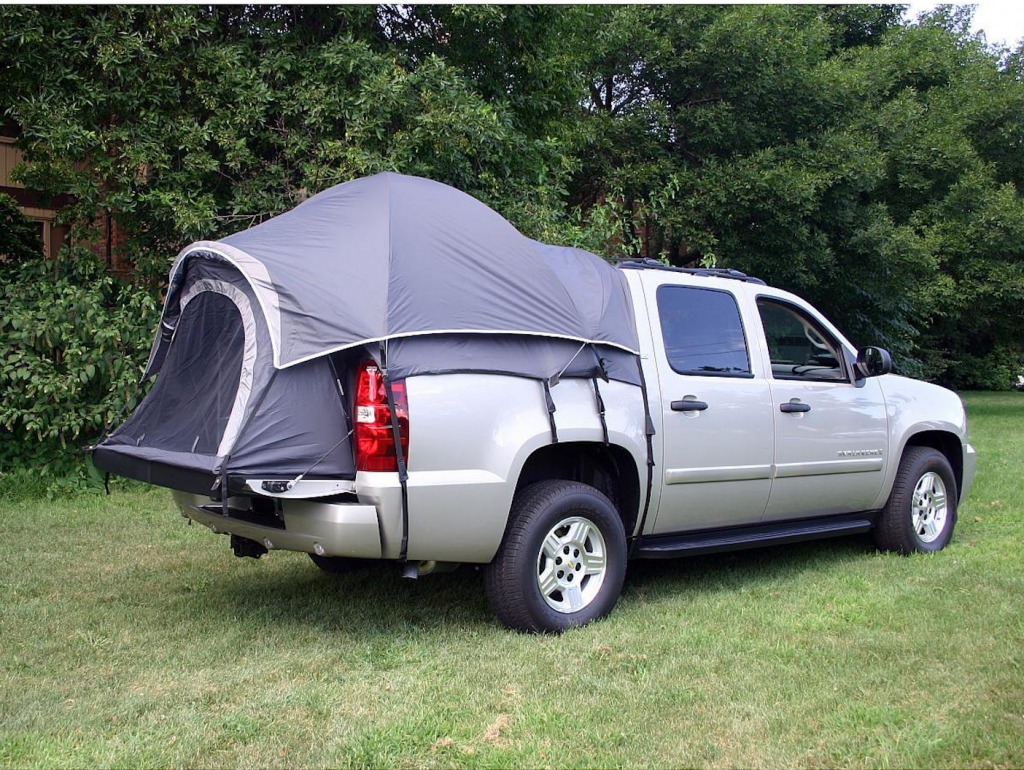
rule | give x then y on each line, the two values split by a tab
255	325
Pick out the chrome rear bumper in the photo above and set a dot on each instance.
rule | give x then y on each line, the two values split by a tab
326	529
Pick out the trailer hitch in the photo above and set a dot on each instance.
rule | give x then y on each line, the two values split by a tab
243	546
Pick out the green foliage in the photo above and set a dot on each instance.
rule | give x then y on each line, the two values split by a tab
193	122
870	164
72	344
18	238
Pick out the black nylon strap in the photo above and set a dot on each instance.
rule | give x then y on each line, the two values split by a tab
600	411
600	363
649	431
403	474
224	489
551	411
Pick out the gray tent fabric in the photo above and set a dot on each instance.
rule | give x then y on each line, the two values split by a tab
257	327
299	427
390	255
508	354
218	398
597	291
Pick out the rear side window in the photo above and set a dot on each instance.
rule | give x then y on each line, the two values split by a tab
702	332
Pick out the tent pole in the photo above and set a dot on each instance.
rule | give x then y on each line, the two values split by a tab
342	398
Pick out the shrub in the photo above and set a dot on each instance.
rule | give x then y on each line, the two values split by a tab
73	341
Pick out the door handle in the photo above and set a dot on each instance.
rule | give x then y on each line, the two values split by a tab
794	406
689	405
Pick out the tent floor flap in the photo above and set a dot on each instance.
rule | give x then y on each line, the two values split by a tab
174	470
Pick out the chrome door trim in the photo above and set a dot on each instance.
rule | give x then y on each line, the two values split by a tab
720	473
829	467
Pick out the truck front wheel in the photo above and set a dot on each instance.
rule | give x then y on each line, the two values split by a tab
563	559
921	511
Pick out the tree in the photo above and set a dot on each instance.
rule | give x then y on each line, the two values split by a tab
869	164
834	151
19	240
192	122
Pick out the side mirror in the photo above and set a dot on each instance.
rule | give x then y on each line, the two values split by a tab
873	362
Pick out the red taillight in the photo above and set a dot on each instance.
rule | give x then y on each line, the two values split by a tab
375	440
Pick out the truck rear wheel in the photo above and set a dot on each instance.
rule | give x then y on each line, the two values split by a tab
921	511
563	559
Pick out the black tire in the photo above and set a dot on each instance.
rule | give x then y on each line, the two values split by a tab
339	565
510	580
895	530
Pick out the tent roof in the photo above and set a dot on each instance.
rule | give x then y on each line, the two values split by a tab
395	256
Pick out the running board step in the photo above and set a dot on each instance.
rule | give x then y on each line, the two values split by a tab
718	540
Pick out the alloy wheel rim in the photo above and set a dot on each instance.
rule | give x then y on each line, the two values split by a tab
929	509
571	565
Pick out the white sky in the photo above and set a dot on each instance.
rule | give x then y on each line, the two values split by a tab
1002	21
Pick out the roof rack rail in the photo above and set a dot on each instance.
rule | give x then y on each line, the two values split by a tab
708	272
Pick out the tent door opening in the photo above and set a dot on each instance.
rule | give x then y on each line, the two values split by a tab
198	401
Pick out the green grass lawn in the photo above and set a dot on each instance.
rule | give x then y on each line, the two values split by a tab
128	639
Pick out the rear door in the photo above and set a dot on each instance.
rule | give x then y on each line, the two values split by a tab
717	436
831	434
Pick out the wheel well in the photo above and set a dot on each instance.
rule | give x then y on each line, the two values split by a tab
608	468
948	444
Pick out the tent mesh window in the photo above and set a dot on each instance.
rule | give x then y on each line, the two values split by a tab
191	400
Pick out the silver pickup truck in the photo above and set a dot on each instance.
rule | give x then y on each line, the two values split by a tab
392	372
770	427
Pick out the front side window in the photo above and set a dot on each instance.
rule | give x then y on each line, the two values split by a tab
799	348
702	332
